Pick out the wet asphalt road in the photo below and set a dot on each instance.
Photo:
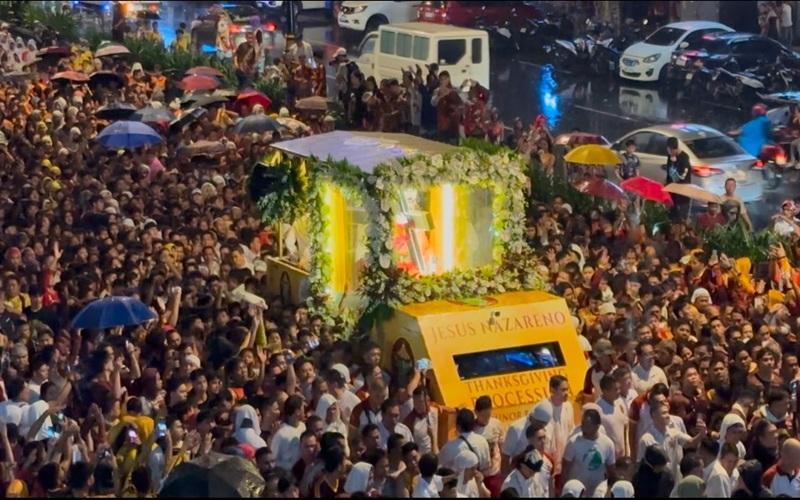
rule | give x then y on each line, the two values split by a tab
604	105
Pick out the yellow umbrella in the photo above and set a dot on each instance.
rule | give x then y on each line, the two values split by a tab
693	192
592	154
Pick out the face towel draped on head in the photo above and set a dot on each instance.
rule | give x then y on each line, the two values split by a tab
359	478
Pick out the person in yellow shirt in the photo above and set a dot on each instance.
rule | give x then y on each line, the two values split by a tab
16	301
154	35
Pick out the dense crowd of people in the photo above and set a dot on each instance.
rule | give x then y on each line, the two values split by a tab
693	379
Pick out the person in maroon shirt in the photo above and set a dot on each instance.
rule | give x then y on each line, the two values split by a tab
711	218
765	377
690	404
309	450
448	109
604	364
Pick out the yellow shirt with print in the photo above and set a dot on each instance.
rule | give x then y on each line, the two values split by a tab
16	305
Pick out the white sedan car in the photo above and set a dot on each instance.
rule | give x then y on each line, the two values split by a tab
714	156
647	61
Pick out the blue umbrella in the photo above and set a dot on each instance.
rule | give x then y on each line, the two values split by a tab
111	312
128	135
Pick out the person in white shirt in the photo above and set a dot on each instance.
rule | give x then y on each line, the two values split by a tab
285	444
13	409
640	421
723	474
672	439
521	478
624	378
423	420
470	481
515	443
733	430
645	373
491	429
468	440
345	398
562	420
781	478
428	484
589	455
390	423
613	414
544	479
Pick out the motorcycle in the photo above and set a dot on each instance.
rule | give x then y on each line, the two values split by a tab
605	57
573	55
539	35
771	162
699	81
777	77
738	85
606	50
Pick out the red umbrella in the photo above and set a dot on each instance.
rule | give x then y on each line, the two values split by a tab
647	189
72	76
602	188
204	71
250	98
197	82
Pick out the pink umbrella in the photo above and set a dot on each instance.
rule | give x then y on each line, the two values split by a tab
602	188
647	189
112	49
72	76
197	82
203	71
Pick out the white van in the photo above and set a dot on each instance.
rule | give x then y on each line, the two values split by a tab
462	52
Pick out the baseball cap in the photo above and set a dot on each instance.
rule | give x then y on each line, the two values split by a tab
603	347
543	412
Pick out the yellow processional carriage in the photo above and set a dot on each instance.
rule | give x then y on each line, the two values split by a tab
421	245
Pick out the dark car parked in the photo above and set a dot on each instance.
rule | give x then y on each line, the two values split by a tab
733	51
493	14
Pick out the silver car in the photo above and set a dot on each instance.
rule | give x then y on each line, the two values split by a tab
714	157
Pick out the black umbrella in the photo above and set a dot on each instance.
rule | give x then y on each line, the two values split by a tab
186	118
214	475
115	111
52	55
106	79
17	76
203	100
257	124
